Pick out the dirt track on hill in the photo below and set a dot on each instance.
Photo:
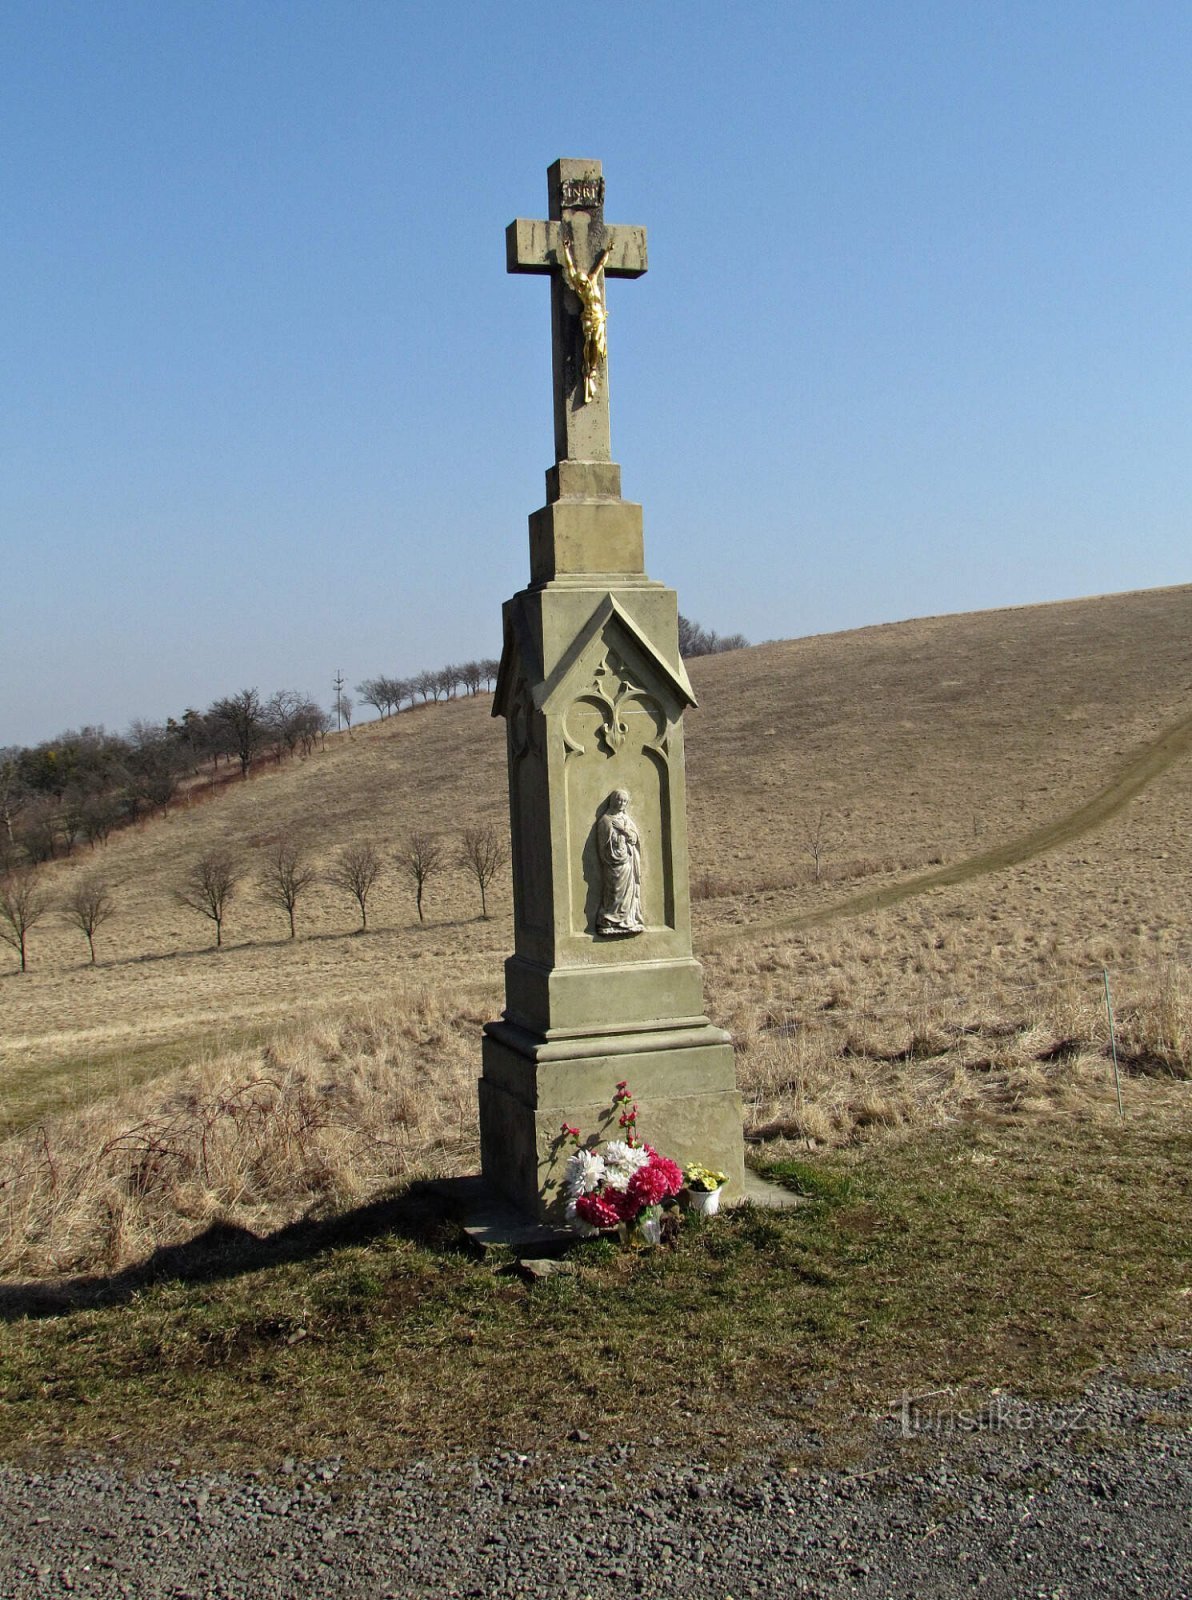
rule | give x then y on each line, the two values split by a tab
1153	759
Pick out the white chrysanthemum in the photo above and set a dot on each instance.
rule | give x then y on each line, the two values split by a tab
577	1222
583	1173
621	1161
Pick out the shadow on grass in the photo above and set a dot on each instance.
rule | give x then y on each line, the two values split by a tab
427	1213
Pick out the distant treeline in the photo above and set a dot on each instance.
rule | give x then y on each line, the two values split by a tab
695	640
77	788
87	782
80	787
388	694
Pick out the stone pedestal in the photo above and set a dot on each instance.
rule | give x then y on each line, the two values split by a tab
685	1090
593	692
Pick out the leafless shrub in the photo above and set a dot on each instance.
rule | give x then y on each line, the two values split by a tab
818	842
355	871
421	857
208	887
286	877
482	853
87	907
23	903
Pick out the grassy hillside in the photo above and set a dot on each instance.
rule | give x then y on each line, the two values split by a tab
906	747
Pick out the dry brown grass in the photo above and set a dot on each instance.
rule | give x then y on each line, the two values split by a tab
311	1122
172	1084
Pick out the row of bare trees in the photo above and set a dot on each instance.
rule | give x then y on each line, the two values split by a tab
388	695
288	873
283	878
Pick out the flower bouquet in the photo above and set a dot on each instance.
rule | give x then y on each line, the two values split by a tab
621	1184
703	1186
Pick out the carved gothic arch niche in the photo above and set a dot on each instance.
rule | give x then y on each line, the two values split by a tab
616	733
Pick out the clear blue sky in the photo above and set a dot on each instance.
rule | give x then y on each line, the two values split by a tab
915	336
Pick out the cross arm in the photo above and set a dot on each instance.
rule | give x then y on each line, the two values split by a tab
536	247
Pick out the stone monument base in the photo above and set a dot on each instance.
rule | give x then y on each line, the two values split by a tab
682	1080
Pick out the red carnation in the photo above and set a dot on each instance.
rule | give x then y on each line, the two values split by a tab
595	1210
648	1186
625	1204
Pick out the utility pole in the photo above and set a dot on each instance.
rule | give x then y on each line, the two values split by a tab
337	683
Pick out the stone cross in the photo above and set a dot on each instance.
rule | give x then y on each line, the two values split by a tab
575	194
602	985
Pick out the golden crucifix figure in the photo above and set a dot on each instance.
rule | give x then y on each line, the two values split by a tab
589	287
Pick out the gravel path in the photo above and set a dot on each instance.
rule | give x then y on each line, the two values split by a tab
1090	1500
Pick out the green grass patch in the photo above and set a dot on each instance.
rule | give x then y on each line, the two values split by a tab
1020	1256
815	1181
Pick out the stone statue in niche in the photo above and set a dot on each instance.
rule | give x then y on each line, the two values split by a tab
619	847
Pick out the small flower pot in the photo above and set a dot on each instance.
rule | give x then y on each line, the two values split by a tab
703	1202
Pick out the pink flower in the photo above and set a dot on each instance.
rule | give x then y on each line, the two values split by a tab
651	1184
595	1210
670	1170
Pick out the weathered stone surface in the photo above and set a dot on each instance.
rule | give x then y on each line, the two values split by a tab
586	536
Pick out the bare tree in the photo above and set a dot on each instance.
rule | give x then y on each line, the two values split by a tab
208	887
355	871
376	692
98	815
346	706
286	877
817	843
154	766
421	857
23	903
88	906
43	825
240	719
282	721
310	723
482	853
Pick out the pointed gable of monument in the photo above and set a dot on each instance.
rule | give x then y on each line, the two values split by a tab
611	645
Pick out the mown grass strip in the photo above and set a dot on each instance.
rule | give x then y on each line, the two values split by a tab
78	1080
